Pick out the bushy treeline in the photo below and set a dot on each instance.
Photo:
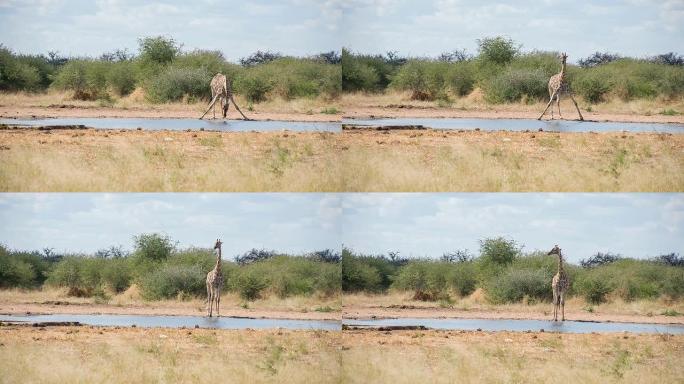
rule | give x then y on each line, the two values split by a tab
161	271
167	73
505	73
507	275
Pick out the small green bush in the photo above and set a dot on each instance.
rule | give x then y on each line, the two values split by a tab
593	287
173	84
117	274
498	50
122	78
15	272
515	284
250	285
512	84
171	281
592	86
253	88
86	78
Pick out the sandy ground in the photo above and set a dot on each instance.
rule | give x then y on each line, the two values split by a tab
66	110
166	310
475	306
56	301
450	313
365	112
398	104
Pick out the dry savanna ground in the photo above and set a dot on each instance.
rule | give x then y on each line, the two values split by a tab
351	161
509	357
401	304
134	355
52	300
61	104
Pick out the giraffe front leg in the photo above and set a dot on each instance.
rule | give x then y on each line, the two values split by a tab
238	108
547	107
218	303
558	104
562	304
577	107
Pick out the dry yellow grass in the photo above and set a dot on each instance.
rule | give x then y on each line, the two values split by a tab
133	355
140	161
56	300
508	357
471	161
402	304
369	161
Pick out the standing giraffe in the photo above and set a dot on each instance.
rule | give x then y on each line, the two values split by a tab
215	283
560	285
558	86
221	89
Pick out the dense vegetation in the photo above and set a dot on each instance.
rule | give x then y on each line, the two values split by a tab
162	271
505	73
167	73
506	275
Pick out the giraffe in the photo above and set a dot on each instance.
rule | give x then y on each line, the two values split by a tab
215	283
558	86
221	89
560	284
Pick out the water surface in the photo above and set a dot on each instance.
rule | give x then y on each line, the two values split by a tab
522	325
180	124
521	125
179	321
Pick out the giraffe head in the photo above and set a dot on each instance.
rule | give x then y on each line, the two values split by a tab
218	244
555	251
563	57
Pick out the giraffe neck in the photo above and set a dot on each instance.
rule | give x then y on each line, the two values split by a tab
560	264
562	72
218	261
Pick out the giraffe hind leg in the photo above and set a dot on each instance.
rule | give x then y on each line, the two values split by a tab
547	107
558	104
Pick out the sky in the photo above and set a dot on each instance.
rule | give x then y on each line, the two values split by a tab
416	224
304	27
86	222
427	225
237	28
630	27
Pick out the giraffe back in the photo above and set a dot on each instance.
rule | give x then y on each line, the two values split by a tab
219	86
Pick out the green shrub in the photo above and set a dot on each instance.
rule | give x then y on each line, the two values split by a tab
673	283
512	84
428	280
173	84
592	86
593	287
72	272
117	274
249	285
15	272
153	246
254	88
86	78
498	50
172	281
515	284
122	78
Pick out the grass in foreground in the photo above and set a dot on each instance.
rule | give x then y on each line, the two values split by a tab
475	357
435	161
134	355
472	161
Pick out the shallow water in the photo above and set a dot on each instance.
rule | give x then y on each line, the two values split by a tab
179	321
522	125
522	325
180	124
